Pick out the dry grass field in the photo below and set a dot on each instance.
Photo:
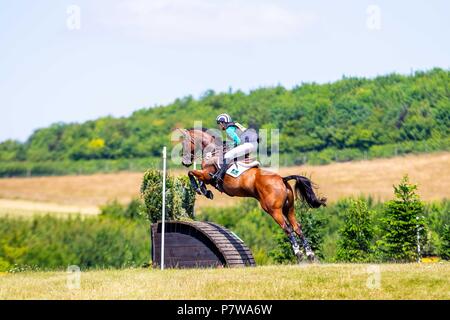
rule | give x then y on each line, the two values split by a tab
375	177
26	208
333	281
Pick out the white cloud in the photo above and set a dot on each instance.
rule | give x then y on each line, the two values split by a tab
193	20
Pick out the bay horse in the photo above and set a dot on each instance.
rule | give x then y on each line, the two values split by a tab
273	192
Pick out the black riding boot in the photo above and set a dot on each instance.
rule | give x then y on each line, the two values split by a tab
221	172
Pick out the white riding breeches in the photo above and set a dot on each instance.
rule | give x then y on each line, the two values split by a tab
241	150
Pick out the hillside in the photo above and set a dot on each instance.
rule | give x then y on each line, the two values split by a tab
337	180
353	118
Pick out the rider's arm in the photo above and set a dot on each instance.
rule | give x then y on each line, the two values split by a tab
231	131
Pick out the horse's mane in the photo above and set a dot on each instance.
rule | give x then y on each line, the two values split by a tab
202	128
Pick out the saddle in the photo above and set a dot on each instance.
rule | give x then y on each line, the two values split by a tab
235	169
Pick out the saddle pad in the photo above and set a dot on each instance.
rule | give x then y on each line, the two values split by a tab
238	168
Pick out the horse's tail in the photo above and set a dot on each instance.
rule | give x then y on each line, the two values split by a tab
304	189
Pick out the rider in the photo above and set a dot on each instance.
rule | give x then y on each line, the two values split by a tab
245	141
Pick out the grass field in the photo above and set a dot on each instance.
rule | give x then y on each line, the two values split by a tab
326	281
375	177
83	194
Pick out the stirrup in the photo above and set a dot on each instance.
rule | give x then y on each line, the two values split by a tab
219	185
218	174
214	175
219	179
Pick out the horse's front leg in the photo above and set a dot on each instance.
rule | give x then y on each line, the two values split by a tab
194	183
207	193
202	176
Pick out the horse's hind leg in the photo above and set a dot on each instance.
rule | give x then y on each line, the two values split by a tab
277	215
290	214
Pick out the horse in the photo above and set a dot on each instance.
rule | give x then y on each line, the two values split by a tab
274	193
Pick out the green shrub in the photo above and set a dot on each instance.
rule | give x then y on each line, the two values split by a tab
403	220
282	253
445	243
313	226
113	209
180	196
437	218
355	237
134	209
47	243
4	265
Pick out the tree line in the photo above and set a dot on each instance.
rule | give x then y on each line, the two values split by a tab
350	116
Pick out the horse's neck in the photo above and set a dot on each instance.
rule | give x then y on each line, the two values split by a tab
205	140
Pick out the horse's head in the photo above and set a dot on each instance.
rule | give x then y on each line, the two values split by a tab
188	147
194	140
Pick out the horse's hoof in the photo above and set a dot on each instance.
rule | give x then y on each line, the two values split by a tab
209	194
299	256
198	191
312	258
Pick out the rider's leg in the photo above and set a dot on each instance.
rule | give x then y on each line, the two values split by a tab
220	172
241	150
237	152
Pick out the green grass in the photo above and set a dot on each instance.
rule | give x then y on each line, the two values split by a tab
319	281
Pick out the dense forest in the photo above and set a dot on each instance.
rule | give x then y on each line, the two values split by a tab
330	122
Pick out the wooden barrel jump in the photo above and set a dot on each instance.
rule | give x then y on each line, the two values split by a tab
193	244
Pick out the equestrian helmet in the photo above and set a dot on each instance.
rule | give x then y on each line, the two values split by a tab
224	117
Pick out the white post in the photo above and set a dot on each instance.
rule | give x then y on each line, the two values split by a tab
418	242
195	168
163	207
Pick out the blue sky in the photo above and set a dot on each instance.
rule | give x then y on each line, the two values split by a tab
139	53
